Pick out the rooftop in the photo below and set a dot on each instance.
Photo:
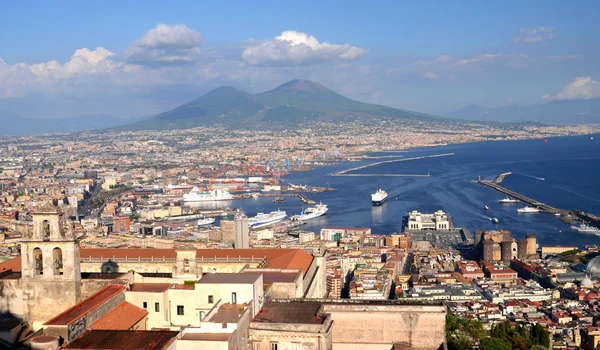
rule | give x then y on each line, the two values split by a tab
90	303
228	313
123	340
158	287
206	336
123	317
278	277
290	312
230	278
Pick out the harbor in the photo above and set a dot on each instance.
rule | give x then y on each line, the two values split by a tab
565	215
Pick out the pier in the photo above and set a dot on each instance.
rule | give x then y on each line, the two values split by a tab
345	172
302	197
399	175
565	215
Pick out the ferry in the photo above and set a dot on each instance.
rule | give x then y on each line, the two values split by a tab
379	197
197	195
528	210
262	219
509	200
311	213
206	221
585	228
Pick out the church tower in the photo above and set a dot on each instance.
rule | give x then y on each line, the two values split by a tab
50	262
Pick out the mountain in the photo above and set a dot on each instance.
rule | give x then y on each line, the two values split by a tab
16	125
554	112
290	104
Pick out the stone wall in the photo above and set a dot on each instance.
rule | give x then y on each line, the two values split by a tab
11	296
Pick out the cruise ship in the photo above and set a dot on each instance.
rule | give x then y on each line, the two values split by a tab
312	212
379	197
508	200
206	221
198	195
262	219
585	228
528	210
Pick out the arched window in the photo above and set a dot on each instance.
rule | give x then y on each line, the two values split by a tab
202	314
46	230
57	260
38	262
186	265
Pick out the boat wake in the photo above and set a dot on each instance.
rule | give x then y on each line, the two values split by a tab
532	177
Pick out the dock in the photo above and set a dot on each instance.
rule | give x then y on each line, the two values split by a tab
345	172
399	175
302	197
565	214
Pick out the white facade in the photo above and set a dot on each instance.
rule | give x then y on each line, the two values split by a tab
242	232
436	221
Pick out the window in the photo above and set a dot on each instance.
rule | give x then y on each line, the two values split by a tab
210	299
179	310
145	304
57	260
256	346
274	346
296	346
38	260
156	307
234	298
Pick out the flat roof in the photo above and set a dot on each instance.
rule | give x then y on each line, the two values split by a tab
158	287
123	340
228	313
123	317
275	277
290	312
90	303
229	278
206	336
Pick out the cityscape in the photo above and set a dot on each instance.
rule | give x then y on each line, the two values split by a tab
236	220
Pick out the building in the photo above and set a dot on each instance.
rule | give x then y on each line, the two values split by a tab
499	272
242	232
469	269
398	240
437	221
337	233
556	249
501	246
121	224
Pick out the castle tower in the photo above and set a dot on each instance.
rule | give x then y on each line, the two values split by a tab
50	261
506	251
522	249
531	243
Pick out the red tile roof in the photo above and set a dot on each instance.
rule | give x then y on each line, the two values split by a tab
123	317
12	264
90	303
124	340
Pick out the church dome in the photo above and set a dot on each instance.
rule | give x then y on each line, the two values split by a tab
593	267
586	282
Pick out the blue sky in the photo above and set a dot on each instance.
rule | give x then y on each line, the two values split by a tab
137	58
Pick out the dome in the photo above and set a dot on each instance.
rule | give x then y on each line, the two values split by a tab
593	267
586	282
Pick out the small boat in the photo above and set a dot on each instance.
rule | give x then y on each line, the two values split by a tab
486	207
508	200
528	210
255	195
494	220
278	200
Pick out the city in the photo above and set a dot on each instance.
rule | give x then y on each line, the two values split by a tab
221	182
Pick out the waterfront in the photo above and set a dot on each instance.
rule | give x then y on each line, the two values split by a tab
569	165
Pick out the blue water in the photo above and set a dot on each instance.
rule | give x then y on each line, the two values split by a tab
570	167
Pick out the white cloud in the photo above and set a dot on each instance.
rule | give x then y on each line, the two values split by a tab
534	35
582	88
165	45
296	48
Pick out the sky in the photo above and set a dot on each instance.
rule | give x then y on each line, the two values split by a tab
137	58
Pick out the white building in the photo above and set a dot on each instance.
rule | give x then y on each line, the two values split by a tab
436	221
242	232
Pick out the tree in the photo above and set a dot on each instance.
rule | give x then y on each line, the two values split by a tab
459	342
494	344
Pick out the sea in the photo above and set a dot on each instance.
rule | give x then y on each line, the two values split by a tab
563	172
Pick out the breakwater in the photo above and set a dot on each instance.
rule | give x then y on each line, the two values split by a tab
345	172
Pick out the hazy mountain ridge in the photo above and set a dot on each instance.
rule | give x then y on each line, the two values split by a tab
553	112
12	124
290	104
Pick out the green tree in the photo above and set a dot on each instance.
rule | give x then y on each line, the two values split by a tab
494	344
459	342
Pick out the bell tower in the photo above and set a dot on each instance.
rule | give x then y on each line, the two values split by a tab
50	260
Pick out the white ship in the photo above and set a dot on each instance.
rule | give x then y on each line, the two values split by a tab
528	210
206	221
312	212
379	197
508	200
585	228
198	195
262	219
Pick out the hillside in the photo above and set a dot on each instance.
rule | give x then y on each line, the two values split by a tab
554	112
290	104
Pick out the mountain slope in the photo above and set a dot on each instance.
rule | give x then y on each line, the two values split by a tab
290	104
554	112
